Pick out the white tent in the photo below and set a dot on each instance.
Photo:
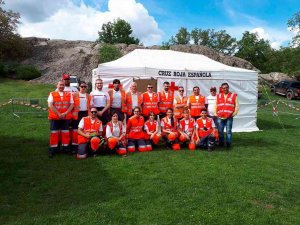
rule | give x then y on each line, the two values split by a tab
187	70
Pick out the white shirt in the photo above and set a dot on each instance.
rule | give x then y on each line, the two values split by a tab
117	99
83	102
116	130
50	97
70	89
134	99
81	124
99	98
211	101
162	122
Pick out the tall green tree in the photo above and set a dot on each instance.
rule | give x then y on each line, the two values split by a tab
220	41
255	50
182	37
11	44
294	24
118	31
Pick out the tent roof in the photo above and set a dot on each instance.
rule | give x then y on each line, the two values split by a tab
168	60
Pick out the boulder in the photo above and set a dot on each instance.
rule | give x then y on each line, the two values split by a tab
79	58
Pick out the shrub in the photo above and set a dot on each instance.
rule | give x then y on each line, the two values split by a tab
3	72
27	72
109	53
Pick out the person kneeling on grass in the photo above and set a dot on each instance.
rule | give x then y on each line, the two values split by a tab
186	130
169	126
89	135
205	132
135	132
115	134
151	128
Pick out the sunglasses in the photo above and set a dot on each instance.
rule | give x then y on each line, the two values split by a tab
136	111
149	87
181	90
83	86
93	112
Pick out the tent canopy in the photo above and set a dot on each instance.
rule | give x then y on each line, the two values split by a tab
187	70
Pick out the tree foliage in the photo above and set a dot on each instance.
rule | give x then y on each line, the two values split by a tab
118	31
220	41
109	53
181	38
11	44
294	25
255	50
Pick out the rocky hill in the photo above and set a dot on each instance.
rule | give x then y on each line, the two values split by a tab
54	57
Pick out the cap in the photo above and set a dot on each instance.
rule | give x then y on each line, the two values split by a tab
213	88
65	76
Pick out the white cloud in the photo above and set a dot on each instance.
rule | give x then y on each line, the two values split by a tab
277	37
82	22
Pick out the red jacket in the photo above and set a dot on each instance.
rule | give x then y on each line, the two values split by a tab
135	127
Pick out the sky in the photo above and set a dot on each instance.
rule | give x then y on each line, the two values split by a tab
155	21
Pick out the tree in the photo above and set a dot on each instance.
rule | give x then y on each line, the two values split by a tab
255	50
115	32
11	44
217	40
294	25
109	53
181	38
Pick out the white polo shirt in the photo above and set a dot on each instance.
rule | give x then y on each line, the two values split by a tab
99	98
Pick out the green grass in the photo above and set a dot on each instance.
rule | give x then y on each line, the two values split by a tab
258	182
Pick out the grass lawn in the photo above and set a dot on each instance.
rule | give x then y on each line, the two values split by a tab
257	182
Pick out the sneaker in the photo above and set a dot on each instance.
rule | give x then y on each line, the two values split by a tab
210	149
51	155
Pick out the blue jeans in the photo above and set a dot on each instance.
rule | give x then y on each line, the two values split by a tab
222	123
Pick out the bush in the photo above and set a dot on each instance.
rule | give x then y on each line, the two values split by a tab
27	72
3	72
109	53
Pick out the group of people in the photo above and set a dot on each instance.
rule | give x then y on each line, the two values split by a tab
122	122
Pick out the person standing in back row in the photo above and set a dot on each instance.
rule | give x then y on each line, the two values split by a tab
211	102
117	100
226	108
196	103
166	98
133	99
101	100
60	104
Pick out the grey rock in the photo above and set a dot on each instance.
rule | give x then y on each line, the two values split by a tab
79	58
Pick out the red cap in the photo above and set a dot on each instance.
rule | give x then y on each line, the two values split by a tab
65	76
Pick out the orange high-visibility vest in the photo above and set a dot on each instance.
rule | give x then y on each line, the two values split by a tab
168	126
90	127
165	102
179	106
135	127
129	101
61	105
196	105
151	127
208	125
191	123
150	105
225	108
123	99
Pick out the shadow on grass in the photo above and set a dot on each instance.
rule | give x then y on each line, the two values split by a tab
254	142
34	185
266	124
